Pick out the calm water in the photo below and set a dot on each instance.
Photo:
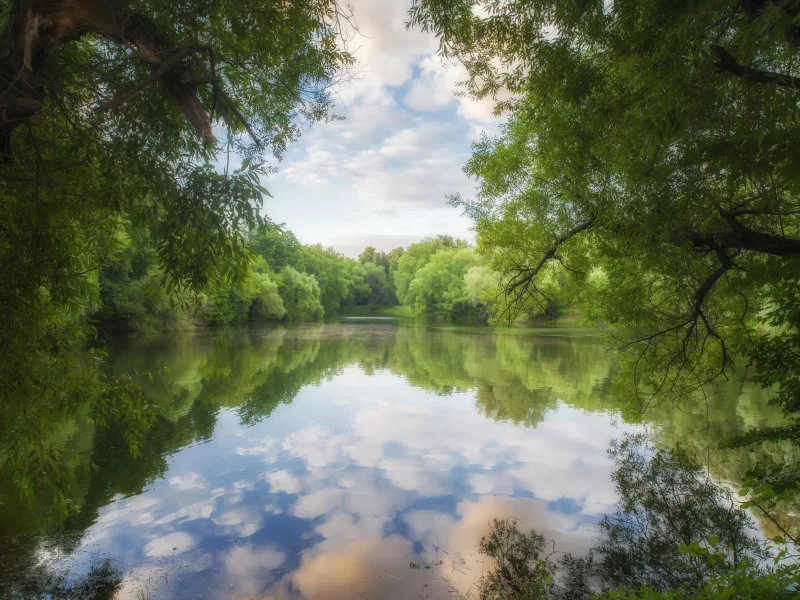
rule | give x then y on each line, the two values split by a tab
352	460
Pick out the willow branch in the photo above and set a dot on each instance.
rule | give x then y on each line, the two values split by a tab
229	101
165	68
726	62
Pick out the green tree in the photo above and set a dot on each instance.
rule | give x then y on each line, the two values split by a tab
278	247
267	303
417	256
132	291
300	295
369	255
166	79
335	274
439	288
649	165
387	261
381	290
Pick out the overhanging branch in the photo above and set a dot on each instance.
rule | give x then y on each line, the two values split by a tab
166	67
726	62
744	238
531	272
34	30
518	286
231	104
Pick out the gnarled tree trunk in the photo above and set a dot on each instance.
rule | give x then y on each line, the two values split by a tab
35	28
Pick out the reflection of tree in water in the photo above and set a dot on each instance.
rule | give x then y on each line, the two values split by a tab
252	371
101	582
515	379
705	424
674	530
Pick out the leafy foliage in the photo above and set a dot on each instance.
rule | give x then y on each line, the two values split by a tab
440	287
110	112
647	173
300	293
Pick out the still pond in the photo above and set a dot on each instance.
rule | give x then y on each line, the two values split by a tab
358	459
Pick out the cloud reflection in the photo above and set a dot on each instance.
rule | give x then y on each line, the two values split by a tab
345	491
173	543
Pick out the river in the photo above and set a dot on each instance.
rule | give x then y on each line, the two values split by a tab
358	459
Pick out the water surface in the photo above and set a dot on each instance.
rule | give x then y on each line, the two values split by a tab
354	460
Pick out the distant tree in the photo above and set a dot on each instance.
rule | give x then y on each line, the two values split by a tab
381	290
369	255
267	302
387	261
278	246
439	288
394	259
417	256
300	295
335	274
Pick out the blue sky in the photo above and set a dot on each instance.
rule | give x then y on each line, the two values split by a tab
380	177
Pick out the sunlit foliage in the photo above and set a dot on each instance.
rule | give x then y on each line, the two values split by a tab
118	124
649	169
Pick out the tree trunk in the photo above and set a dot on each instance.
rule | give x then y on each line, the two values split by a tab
35	28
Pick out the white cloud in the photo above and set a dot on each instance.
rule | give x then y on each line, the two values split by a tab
241	522
438	87
387	168
371	568
248	569
245	560
318	503
190	512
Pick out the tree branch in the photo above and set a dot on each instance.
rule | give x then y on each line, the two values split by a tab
531	272
227	99
165	68
726	62
35	28
518	284
743	238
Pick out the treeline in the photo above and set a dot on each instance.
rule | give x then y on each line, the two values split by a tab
285	280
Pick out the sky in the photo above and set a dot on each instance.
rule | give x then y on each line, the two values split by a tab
380	177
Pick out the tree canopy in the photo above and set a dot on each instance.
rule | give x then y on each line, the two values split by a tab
137	121
650	164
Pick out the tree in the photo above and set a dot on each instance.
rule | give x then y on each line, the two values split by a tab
369	255
649	160
387	261
278	247
417	256
334	274
111	110
267	303
439	288
300	295
381	291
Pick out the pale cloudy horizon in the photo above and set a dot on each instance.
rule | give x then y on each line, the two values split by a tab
380	177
